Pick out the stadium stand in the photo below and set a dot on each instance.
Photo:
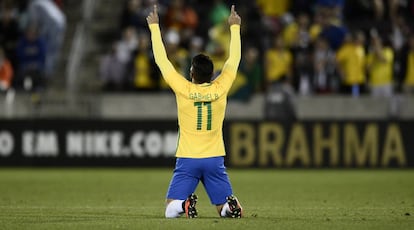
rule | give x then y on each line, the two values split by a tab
106	64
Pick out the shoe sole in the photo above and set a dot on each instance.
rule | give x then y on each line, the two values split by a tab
236	210
190	209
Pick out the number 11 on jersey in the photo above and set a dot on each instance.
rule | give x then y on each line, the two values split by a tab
199	106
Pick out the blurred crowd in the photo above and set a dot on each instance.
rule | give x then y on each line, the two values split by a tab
305	46
31	35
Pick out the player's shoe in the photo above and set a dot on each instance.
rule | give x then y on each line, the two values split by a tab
190	206
235	209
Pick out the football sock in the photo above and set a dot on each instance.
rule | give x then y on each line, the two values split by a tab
174	209
224	210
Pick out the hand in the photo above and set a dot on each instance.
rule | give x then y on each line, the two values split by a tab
153	16
234	18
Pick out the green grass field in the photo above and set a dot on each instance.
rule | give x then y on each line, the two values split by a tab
272	199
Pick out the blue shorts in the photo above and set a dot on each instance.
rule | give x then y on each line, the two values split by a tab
211	172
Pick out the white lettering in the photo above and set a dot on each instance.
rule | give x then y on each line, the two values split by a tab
6	143
40	144
153	144
116	140
111	144
135	144
46	144
89	144
28	139
170	143
101	144
74	144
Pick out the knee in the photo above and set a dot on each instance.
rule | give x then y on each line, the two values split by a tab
171	211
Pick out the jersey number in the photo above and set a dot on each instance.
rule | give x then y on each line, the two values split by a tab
199	106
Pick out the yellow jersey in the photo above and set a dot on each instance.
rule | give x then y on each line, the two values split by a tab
201	107
278	64
274	8
381	71
409	77
142	78
351	59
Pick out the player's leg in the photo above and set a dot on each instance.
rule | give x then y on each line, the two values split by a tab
180	196
175	208
219	190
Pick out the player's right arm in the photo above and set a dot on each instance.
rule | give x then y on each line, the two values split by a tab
231	65
170	75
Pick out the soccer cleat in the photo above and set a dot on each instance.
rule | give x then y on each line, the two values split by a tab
189	206
235	208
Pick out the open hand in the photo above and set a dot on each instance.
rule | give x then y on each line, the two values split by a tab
234	18
153	16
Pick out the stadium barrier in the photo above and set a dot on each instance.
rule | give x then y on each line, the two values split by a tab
261	144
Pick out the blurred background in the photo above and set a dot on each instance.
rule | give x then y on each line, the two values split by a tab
88	65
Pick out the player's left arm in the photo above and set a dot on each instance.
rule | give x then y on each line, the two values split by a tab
171	76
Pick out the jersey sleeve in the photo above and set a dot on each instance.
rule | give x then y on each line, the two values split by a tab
229	72
175	80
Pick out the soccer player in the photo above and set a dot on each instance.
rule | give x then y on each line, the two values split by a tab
201	107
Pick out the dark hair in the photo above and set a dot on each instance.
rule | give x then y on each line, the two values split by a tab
202	68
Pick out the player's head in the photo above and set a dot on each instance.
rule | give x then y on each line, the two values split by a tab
201	69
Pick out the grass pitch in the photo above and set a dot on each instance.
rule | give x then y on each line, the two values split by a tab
272	199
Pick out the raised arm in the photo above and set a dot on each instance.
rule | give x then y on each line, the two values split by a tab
233	60
229	71
158	48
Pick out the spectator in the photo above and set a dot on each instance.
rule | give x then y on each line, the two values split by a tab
408	84
278	78
249	79
399	32
296	34
324	80
111	71
9	34
278	63
176	54
114	74
314	41
6	72
218	48
380	61
218	13
51	22
145	76
272	11
351	64
316	26
253	26
134	15
125	47
297	37
335	7
399	36
274	8
31	54
182	18
196	47
302	74
333	32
